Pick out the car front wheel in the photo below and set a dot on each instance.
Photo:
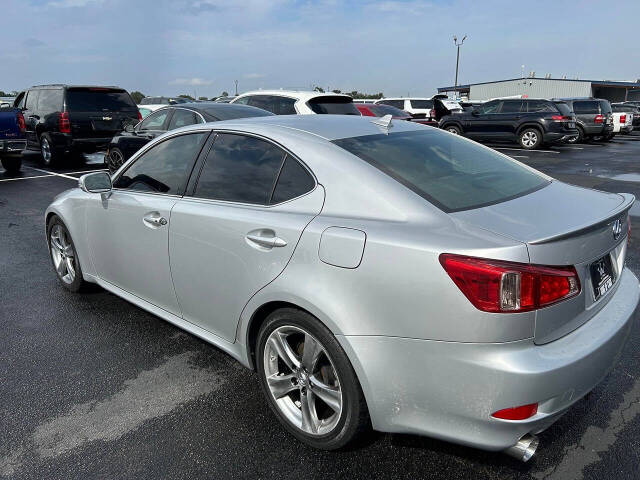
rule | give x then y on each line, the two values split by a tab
530	138
64	257
308	380
50	157
453	129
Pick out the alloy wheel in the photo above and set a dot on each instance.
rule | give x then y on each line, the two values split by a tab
45	148
453	130
529	139
302	380
62	253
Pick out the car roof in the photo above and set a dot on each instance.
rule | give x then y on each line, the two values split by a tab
327	127
63	85
302	95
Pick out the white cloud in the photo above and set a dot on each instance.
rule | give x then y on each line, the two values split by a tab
254	75
72	3
193	82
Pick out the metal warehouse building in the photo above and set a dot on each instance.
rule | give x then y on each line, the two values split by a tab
548	88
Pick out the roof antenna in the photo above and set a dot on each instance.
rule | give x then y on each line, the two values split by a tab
384	122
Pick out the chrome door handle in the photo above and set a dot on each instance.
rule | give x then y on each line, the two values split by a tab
268	242
155	219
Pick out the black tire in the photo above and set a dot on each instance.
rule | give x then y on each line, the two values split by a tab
78	284
579	138
115	159
12	164
453	129
530	138
50	156
354	417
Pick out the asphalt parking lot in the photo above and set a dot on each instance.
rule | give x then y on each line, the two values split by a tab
93	387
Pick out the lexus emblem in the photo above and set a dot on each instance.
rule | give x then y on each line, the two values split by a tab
617	229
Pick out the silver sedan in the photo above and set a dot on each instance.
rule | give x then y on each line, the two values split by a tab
376	274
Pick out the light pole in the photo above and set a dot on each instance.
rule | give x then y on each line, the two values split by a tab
236	87
455	41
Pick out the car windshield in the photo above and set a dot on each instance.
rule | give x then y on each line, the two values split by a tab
452	173
337	105
98	99
563	108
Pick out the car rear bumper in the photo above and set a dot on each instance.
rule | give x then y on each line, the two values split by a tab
559	137
626	129
12	146
449	390
68	143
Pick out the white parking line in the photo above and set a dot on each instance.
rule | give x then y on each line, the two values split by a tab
525	150
49	174
518	156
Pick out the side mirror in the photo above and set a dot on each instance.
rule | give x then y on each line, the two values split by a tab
129	128
98	182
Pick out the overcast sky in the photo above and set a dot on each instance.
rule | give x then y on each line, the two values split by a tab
397	47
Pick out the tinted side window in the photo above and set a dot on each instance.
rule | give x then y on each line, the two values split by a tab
165	167
511	107
50	101
421	104
294	180
32	100
243	100
283	105
541	106
394	103
261	101
19	102
491	107
240	169
155	121
182	118
585	107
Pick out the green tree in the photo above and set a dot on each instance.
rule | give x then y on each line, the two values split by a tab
137	96
225	94
336	91
203	98
188	97
318	89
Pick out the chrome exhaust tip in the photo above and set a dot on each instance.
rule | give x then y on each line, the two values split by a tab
524	449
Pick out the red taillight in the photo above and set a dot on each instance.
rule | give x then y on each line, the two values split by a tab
63	122
623	118
508	287
139	116
517	413
560	118
598	118
21	125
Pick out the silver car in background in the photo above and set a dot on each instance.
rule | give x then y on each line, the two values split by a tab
374	274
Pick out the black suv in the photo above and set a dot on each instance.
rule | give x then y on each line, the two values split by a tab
593	118
126	143
66	119
530	122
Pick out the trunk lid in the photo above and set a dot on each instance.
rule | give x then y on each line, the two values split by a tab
99	112
564	225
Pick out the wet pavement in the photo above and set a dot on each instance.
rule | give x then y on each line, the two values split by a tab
93	387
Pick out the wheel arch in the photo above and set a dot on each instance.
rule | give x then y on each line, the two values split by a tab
452	123
535	125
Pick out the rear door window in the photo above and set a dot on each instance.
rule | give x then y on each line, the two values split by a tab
155	121
605	107
490	107
512	107
581	107
447	171
294	180
334	105
182	118
99	100
50	101
240	169
165	167
564	108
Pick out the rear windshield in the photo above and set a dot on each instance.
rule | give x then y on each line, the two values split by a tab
99	99
426	104
333	105
452	173
382	110
564	108
230	112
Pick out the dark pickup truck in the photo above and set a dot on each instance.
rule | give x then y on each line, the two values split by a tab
12	138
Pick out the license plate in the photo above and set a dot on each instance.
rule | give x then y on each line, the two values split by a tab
602	276
571	124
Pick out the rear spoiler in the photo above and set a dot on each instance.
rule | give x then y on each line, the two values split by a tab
626	204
